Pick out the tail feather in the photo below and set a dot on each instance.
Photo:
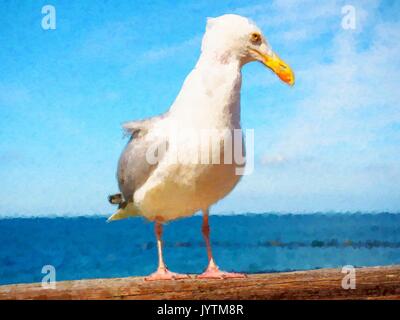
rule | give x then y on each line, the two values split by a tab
125	210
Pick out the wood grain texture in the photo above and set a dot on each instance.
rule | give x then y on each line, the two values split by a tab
371	283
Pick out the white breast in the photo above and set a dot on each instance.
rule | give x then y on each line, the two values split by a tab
209	100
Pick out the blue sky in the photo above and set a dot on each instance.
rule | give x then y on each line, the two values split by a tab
331	143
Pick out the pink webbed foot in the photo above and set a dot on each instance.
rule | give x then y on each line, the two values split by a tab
165	274
215	273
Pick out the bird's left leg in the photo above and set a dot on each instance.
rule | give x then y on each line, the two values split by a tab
162	272
212	271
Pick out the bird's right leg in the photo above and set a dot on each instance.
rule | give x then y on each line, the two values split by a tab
212	271
162	272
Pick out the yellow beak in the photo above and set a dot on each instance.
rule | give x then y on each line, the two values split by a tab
279	67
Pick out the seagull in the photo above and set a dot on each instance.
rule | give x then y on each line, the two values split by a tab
161	189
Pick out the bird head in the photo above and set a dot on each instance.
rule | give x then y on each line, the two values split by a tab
235	37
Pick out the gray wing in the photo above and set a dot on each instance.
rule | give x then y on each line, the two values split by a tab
133	167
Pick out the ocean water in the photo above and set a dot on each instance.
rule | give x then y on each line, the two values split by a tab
81	248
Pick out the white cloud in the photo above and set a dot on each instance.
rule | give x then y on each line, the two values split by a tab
350	99
273	160
354	97
157	54
160	54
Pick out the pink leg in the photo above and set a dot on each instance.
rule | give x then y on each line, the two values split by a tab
212	271
162	272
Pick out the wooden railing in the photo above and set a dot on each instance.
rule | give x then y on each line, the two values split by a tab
371	283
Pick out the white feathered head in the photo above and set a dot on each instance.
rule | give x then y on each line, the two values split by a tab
235	37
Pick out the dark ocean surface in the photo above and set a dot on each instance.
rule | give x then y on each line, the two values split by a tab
89	247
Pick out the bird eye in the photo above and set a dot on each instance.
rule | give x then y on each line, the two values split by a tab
255	38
